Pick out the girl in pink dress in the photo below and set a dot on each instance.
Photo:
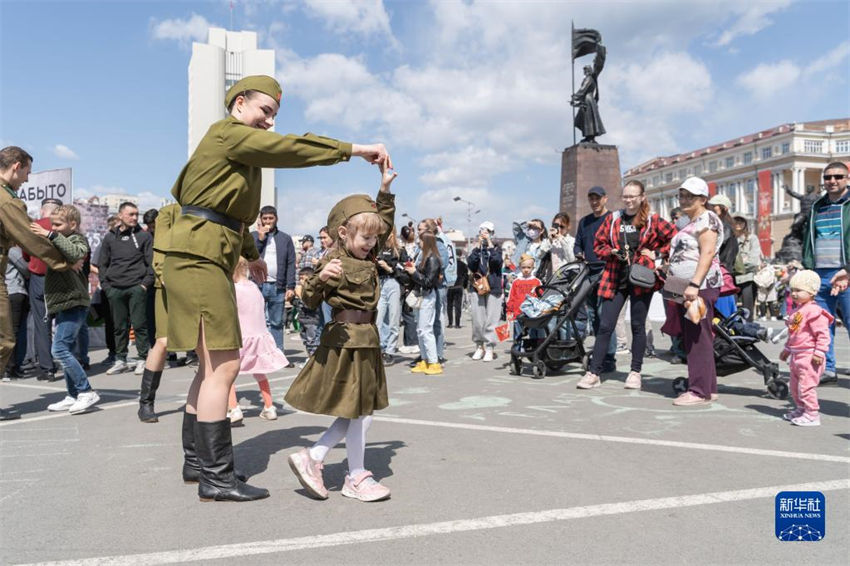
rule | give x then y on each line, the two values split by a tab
259	354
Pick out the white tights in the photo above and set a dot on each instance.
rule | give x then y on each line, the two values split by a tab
354	432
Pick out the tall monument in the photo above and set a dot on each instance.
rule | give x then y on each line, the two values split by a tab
588	163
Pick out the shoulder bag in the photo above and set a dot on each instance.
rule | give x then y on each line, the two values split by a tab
674	289
480	284
639	275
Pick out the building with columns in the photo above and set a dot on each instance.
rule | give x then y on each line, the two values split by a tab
753	171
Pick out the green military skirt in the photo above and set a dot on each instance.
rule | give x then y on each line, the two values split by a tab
341	382
160	313
199	290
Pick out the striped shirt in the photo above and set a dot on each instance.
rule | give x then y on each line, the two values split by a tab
827	230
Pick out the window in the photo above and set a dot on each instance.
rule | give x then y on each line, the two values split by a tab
749	204
730	162
697	170
813	146
682	174
712	166
748	157
668	178
656	180
766	152
842	146
730	192
786	148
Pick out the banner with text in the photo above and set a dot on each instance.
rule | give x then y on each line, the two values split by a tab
765	209
55	183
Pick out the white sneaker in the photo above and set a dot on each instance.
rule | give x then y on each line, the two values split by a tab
488	355
235	415
479	353
62	405
409	350
84	402
269	414
140	367
119	366
589	381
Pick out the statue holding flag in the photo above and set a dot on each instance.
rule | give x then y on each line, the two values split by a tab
586	99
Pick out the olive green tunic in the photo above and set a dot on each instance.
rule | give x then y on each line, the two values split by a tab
345	376
223	174
164	221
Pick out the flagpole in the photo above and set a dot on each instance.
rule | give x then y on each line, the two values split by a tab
573	60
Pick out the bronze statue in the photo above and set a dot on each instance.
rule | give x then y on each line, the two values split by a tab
586	99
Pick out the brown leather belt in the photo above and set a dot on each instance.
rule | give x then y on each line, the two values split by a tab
354	316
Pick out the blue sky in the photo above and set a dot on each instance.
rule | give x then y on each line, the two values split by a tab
470	97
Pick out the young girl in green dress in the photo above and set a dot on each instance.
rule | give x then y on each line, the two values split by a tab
345	376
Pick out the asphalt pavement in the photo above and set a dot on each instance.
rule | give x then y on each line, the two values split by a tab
485	467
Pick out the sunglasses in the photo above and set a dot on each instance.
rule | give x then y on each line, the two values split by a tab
558	226
833	177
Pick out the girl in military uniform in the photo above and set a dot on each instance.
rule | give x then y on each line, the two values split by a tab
219	194
345	377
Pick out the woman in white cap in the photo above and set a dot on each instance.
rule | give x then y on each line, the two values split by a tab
693	257
485	263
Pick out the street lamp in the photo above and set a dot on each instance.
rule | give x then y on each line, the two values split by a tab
406	215
469	214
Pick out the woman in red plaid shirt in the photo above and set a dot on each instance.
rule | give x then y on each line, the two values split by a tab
628	236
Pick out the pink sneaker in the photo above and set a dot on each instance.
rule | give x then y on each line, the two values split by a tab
688	399
365	488
793	414
806	420
309	473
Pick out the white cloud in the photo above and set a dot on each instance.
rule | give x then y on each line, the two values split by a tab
360	17
752	18
830	60
64	152
767	79
194	28
669	83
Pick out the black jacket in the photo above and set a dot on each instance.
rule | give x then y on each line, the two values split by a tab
285	256
428	276
728	248
125	259
487	261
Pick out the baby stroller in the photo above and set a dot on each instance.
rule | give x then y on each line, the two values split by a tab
734	353
559	299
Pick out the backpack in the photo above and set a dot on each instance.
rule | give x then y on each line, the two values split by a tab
450	270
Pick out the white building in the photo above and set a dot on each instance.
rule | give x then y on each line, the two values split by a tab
114	200
791	155
215	66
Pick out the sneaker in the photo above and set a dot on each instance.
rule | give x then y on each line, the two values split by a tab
62	405
140	367
687	399
433	369
589	381
109	360
409	350
829	378
120	366
622	349
84	402
388	359
420	367
269	413
479	353
235	415
488	355
677	360
806	420
633	380
309	473
793	414
365	488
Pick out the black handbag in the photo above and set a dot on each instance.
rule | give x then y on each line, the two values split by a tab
641	276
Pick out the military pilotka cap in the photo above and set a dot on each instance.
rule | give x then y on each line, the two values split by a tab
346	208
260	83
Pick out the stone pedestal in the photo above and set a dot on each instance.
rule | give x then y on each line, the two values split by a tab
585	165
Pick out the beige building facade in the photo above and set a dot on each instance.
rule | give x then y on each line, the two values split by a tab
753	171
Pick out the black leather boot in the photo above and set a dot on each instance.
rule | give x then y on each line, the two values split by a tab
214	447
150	383
191	466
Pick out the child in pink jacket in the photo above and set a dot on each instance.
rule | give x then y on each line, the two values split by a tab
808	342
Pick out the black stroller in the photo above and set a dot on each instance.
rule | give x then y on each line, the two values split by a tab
734	353
566	292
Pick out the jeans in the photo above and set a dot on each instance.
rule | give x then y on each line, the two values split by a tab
389	312
831	304
594	317
441	320
128	304
81	348
68	324
425	324
274	298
